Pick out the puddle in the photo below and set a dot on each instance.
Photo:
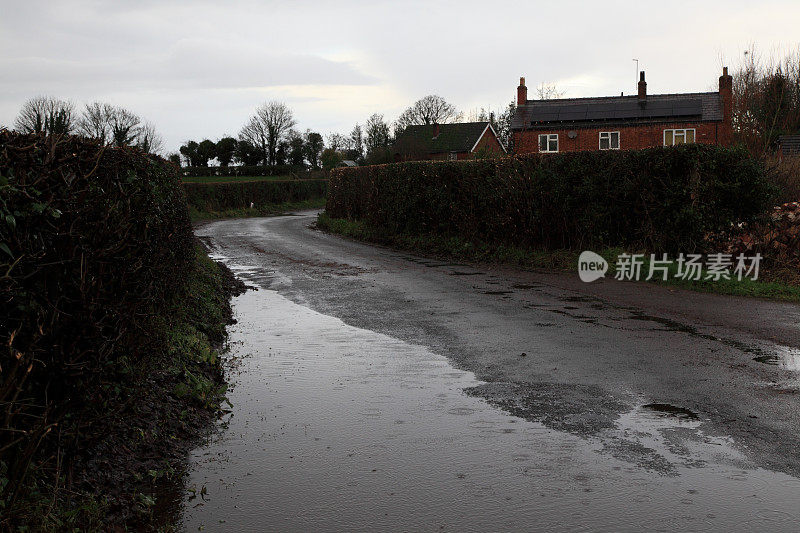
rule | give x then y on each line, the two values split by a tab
338	428
665	409
785	357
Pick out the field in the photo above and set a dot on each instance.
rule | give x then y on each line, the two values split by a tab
236	179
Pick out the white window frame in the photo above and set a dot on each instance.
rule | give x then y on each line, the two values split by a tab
608	133
683	131
452	156
550	137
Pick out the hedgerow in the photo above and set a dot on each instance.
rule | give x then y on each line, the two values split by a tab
93	241
237	195
659	199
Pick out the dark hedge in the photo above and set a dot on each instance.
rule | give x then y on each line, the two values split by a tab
92	241
241	171
659	199
237	195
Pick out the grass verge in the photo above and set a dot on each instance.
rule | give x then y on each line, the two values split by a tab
132	453
256	211
771	286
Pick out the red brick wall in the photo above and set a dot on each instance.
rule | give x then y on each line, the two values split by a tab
488	141
630	137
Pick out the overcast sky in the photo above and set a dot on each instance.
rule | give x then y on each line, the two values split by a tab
198	69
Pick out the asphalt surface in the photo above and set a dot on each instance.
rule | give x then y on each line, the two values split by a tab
592	352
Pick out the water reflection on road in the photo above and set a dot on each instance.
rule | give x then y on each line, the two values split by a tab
335	428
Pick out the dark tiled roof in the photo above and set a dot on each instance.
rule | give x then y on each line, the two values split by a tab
458	137
618	109
790	144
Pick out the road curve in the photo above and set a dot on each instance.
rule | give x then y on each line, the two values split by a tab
591	351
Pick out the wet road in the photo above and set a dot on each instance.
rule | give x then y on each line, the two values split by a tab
367	384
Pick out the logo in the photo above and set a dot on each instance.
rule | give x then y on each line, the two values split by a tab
591	266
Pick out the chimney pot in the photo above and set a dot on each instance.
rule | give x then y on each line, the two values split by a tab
642	87
522	92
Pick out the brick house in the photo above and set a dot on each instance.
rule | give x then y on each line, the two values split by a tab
461	140
623	122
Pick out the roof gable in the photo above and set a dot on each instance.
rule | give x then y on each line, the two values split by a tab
457	137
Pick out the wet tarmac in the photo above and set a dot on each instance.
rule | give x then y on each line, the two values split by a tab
340	427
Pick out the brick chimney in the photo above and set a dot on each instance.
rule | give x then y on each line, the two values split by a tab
435	130
522	92
726	93
642	88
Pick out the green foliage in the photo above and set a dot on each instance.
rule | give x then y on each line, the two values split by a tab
215	197
225	149
330	158
660	199
247	154
190	152
92	240
206	150
313	147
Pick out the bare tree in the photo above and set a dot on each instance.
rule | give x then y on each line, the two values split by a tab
549	91
431	109
766	99
267	128
124	127
357	142
148	139
377	134
337	142
255	134
95	122
45	114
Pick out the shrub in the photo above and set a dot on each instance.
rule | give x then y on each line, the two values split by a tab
92	239
784	174
659	199
237	195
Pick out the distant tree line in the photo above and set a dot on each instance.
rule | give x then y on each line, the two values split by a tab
270	138
109	124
